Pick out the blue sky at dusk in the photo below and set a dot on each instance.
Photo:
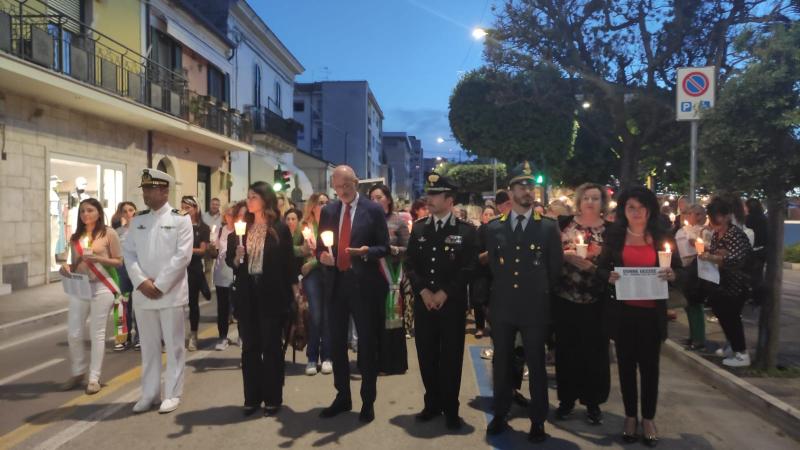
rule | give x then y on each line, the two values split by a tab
412	52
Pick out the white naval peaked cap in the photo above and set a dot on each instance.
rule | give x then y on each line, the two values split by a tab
153	177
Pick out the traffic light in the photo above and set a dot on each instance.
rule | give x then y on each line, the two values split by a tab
286	179
539	179
277	178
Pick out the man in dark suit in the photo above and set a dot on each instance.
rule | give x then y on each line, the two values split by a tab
354	286
441	257
525	258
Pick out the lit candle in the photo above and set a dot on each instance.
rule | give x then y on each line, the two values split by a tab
672	217
327	240
240	227
686	223
307	233
581	249
699	245
87	247
410	225
612	204
213	233
665	257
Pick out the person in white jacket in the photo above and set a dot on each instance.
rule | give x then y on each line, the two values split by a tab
157	249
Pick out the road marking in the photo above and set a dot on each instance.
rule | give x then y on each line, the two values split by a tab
32	319
27	372
24	432
485	389
34	336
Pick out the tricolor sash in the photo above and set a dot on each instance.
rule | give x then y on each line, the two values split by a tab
394	298
106	275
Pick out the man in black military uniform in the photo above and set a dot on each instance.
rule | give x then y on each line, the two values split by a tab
525	258
442	253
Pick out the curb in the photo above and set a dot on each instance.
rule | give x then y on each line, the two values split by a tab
771	408
791	266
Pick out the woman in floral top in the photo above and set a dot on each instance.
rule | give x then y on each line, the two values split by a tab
729	251
582	365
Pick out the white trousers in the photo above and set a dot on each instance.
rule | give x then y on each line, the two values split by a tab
96	310
154	325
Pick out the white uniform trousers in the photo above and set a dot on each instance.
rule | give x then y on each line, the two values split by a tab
155	325
96	310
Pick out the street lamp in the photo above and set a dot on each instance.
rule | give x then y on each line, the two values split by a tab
586	105
479	33
439	140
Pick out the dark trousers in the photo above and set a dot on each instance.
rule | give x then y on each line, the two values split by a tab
728	310
533	340
480	317
262	353
223	310
582	363
194	298
440	350
638	346
353	297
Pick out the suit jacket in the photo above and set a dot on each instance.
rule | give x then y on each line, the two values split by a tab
369	228
524	272
274	288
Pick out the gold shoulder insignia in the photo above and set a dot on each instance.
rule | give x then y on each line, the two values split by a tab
536	216
503	217
143	212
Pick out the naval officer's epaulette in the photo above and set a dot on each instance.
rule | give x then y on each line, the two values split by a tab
179	212
143	212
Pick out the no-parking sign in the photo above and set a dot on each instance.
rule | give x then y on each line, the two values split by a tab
695	91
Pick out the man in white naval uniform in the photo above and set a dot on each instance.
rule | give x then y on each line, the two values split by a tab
157	249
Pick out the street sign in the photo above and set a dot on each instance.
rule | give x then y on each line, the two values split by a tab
694	91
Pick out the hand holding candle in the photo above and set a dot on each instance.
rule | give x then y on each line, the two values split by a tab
665	257
87	246
700	246
581	249
327	240
240	227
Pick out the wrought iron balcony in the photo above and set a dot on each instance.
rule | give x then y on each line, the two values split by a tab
38	33
269	122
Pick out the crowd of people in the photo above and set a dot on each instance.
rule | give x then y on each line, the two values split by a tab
359	272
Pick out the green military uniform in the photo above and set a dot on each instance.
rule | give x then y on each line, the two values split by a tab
441	255
525	257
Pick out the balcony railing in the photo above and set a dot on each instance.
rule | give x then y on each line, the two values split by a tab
266	121
35	32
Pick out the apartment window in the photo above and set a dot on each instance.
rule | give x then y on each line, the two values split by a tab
217	84
299	106
167	53
257	87
278	95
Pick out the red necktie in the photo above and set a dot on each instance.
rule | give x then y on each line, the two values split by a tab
342	257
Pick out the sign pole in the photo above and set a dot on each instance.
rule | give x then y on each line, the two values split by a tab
693	163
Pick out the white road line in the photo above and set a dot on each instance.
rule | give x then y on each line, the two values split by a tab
34	336
85	424
33	319
27	372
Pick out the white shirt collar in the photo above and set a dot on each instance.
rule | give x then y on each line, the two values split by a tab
443	219
164	209
514	215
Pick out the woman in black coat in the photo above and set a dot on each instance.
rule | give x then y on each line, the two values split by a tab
638	327
266	283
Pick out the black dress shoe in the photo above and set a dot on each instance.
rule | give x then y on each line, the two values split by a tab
453	423
271	410
520	399
367	414
564	410
426	415
537	433
594	415
630	438
650	441
336	408
249	410
497	426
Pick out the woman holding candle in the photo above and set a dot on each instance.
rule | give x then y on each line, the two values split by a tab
319	331
392	354
638	327
94	251
265	286
729	250
223	276
582	363
195	273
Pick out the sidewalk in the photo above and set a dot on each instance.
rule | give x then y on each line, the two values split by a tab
786	389
32	305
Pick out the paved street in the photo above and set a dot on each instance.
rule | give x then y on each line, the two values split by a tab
36	415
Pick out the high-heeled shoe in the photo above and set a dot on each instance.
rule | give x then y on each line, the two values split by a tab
630	438
648	439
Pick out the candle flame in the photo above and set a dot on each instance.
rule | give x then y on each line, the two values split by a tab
686	223
327	238
580	239
699	240
240	227
667	248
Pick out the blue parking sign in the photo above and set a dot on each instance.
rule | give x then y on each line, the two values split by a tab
686	106
705	104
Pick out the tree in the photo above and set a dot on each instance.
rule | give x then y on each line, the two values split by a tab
751	142
514	117
475	178
625	52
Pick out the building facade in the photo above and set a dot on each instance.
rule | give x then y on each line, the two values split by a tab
416	166
341	122
92	93
397	149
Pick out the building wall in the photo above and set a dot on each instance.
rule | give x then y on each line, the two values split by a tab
35	132
344	111
120	19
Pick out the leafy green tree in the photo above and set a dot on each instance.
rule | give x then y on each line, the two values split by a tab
751	142
625	54
475	178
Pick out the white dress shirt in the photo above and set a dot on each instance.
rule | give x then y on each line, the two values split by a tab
513	219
